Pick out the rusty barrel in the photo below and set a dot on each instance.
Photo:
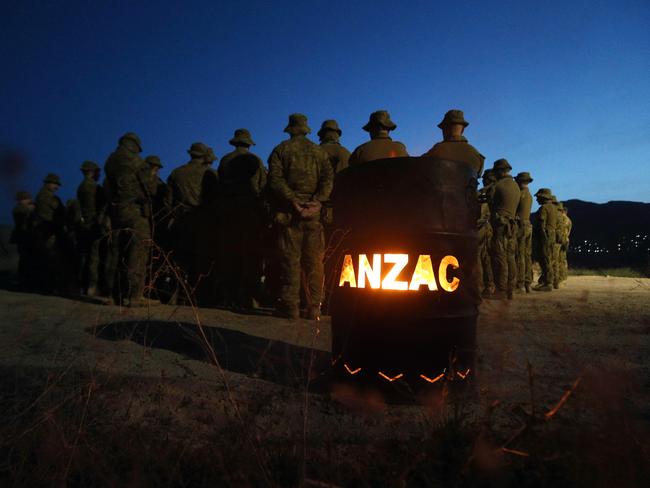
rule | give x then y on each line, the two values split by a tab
404	296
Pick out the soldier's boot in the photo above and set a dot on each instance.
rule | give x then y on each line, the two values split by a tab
313	312
511	294
543	287
527	286
499	295
92	291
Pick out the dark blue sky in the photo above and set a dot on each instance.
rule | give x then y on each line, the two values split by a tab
561	88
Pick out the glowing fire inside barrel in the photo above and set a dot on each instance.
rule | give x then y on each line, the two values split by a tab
404	299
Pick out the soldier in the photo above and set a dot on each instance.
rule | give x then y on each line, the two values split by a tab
505	199
49	227
329	135
565	233
128	186
92	202
454	146
557	246
242	181
301	178
484	270
524	234
159	210
544	238
22	237
380	145
189	187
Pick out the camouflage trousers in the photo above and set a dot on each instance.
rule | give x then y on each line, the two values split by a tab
504	244
545	255
484	263
301	247
564	264
88	248
524	254
556	263
131	238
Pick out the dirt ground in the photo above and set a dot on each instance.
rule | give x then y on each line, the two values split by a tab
100	395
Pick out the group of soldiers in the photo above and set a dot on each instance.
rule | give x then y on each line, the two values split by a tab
239	235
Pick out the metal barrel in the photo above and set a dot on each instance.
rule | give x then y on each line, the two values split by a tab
415	220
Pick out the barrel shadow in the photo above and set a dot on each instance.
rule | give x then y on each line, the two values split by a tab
274	361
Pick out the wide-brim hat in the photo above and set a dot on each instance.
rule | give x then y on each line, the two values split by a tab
242	136
380	118
544	193
524	177
198	149
329	125
501	164
89	166
453	116
153	160
133	137
23	195
53	178
297	124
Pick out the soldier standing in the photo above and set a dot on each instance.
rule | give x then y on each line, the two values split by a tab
505	199
128	186
22	237
544	238
484	269
565	233
242	180
454	146
301	178
189	187
91	201
49	226
380	145
159	211
558	239
329	135
524	234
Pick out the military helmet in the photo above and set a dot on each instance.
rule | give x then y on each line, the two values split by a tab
89	166
453	116
23	195
488	173
153	160
297	124
501	164
544	193
52	178
131	136
198	149
242	136
524	177
380	118
329	125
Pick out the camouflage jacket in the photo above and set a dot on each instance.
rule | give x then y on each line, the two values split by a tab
546	223
300	170
458	149
185	185
91	200
242	174
339	156
22	215
128	182
378	148
49	209
525	204
505	197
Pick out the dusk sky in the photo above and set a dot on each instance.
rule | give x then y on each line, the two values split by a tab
560	89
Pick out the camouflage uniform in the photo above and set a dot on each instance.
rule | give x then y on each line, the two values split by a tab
128	186
22	236
92	205
505	199
191	189
524	234
300	177
381	145
49	228
159	210
242	181
565	233
544	238
484	269
329	135
456	147
558	243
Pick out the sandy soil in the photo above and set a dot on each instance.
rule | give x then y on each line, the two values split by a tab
151	369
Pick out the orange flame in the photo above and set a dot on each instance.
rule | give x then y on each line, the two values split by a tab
347	273
351	371
463	375
442	273
433	380
388	378
423	274
373	273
